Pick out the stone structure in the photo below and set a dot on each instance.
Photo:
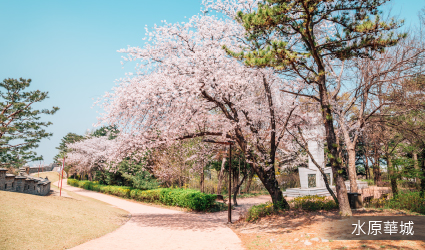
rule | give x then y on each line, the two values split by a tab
31	170
311	179
23	183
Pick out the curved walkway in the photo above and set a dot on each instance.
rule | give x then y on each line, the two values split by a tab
159	228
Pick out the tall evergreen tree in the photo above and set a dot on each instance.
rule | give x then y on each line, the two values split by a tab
20	127
297	37
63	147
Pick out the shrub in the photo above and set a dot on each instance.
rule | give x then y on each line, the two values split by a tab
85	184
313	203
410	201
72	182
146	196
187	198
261	210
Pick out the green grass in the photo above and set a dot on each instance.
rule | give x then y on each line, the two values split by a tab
52	176
409	201
261	210
53	222
313	203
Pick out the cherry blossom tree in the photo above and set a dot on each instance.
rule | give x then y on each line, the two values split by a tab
174	163
186	86
91	153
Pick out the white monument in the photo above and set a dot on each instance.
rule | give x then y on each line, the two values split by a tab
311	179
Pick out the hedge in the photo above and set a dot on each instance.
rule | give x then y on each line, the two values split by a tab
313	203
187	198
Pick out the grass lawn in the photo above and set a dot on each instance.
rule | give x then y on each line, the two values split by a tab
53	222
52	176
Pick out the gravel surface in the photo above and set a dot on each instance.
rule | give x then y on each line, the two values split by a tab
159	228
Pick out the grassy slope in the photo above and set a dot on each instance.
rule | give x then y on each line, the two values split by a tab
52	176
52	222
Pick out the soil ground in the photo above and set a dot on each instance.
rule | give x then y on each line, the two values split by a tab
292	229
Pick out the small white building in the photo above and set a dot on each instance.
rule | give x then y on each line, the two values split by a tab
311	179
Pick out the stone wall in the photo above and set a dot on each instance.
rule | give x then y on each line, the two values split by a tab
32	170
23	183
2	178
20	183
8	184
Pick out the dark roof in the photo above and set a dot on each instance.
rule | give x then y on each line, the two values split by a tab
39	180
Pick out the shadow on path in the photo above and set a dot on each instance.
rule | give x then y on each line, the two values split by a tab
159	228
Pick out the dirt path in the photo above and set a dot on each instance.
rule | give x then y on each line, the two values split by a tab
158	228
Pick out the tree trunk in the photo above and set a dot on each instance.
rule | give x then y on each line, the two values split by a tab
221	175
236	190
376	173
416	166
268	178
335	160
225	181
376	170
325	179
366	167
249	181
202	180
235	177
341	192
371	176
352	175
180	178
422	192
393	176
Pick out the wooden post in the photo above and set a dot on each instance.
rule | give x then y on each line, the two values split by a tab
59	174
61	179
230	185
230	143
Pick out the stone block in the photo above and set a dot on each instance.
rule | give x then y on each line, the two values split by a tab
9	182
20	183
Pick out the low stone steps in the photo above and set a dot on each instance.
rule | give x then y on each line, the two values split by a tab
296	192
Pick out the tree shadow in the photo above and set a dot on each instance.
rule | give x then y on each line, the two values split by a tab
179	221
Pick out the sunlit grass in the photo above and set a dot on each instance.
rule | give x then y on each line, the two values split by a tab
53	222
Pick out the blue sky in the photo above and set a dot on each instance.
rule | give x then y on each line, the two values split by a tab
68	48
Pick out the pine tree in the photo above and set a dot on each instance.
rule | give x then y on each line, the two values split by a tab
20	127
296	37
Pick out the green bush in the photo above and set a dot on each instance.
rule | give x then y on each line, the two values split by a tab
309	203
72	182
85	184
313	203
261	210
187	198
410	201
146	196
